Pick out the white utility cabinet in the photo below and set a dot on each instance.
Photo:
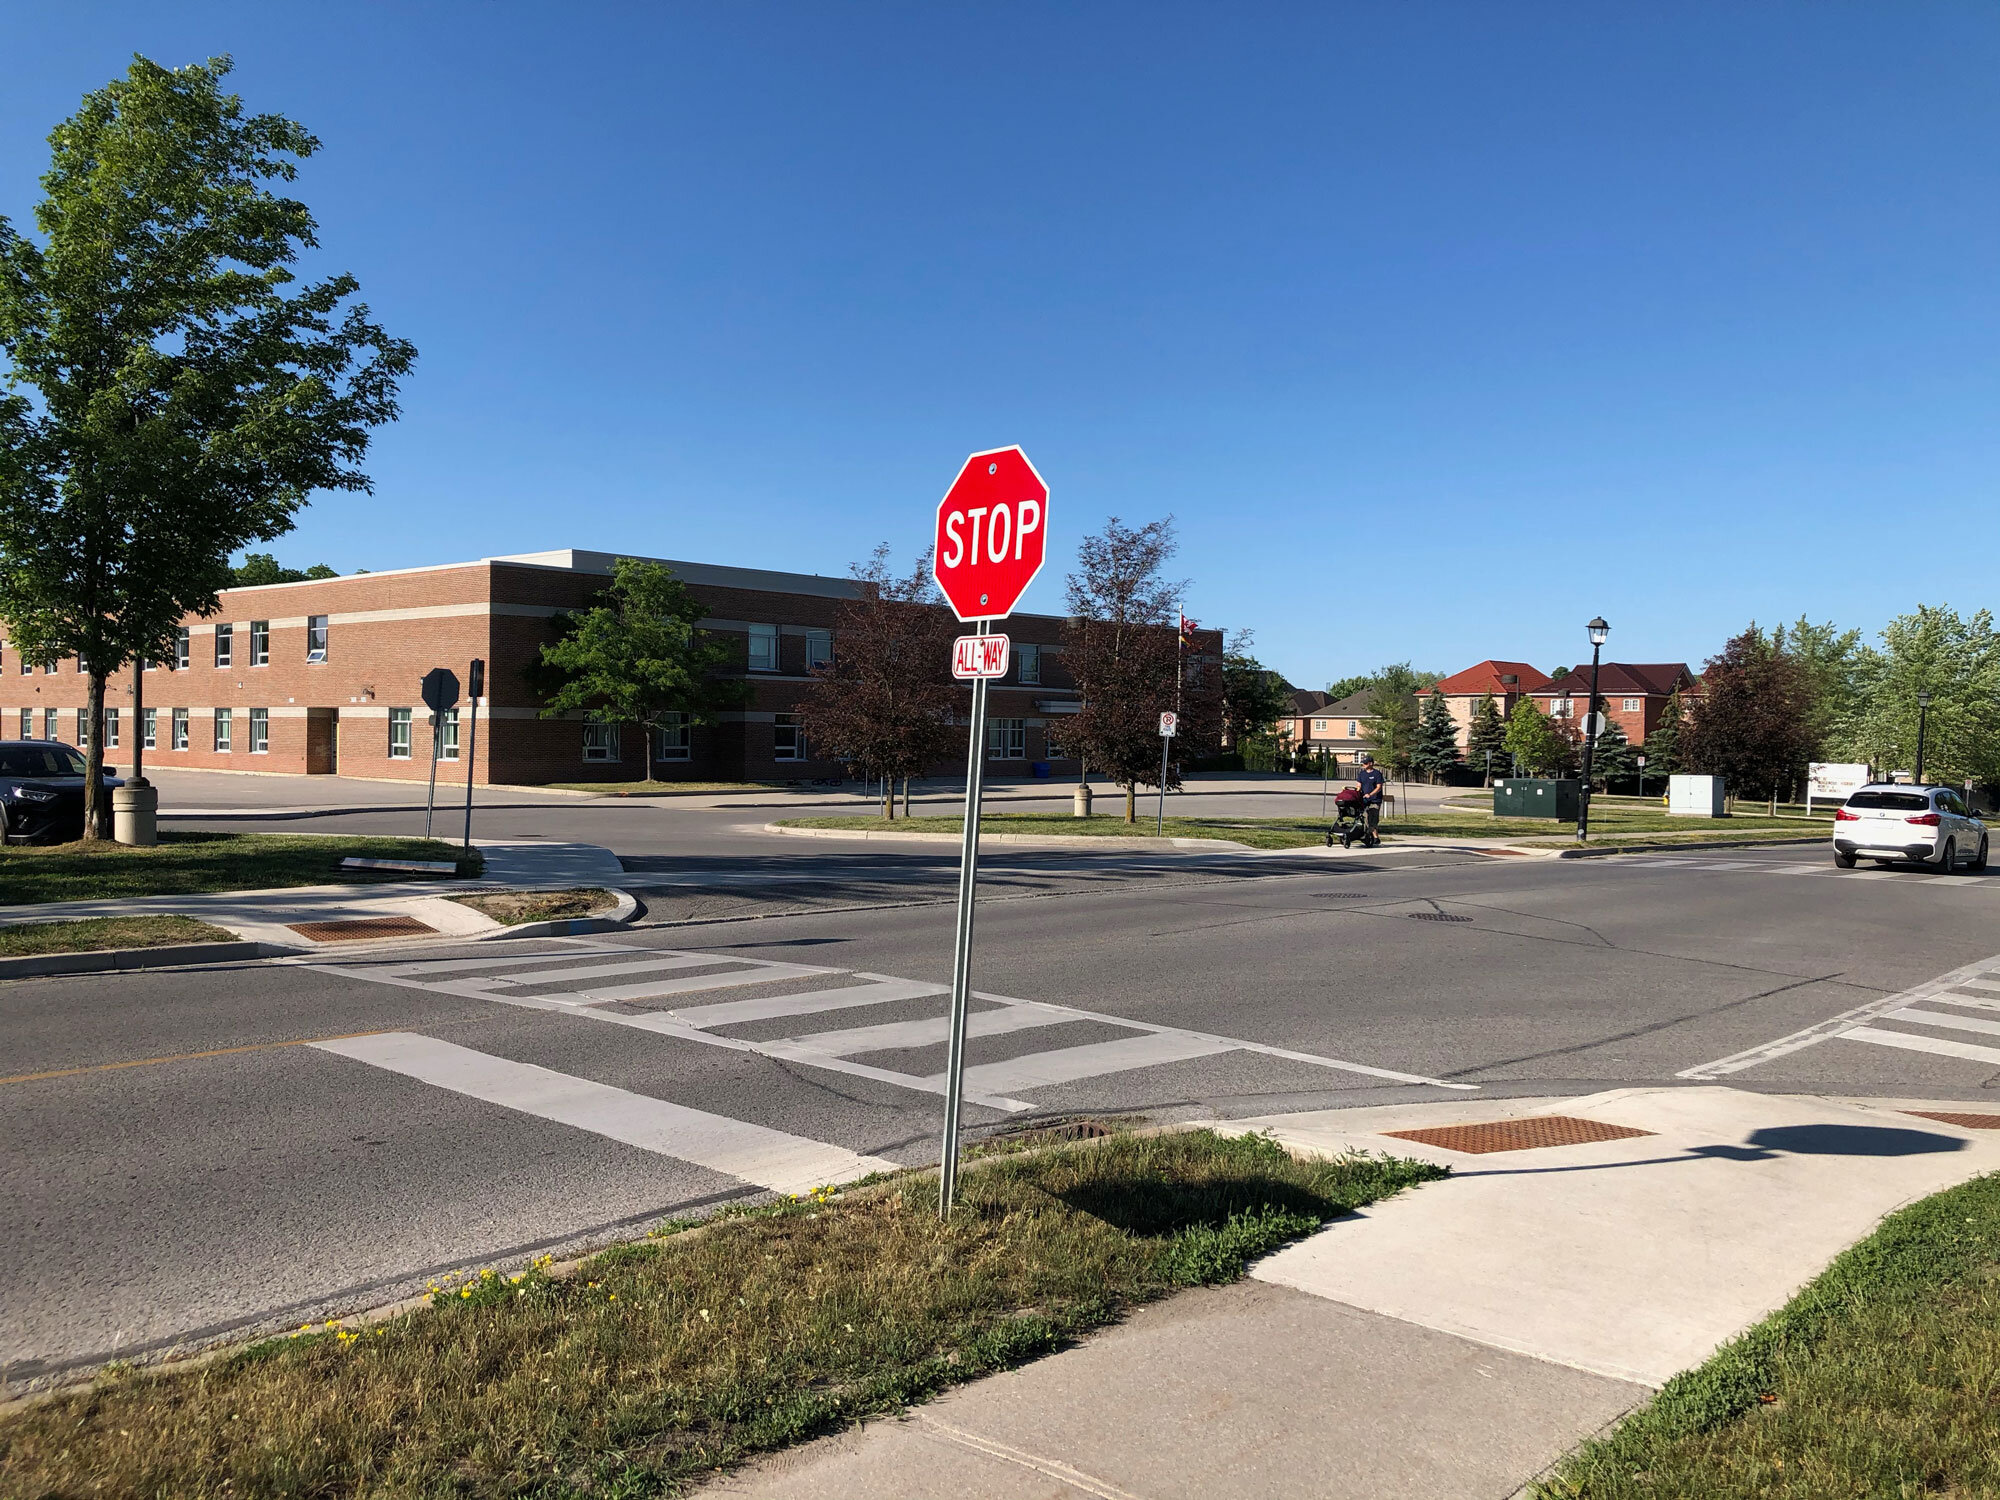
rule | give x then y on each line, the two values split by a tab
1695	796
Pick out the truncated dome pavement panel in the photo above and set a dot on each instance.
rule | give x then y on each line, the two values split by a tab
1525	1134
1962	1121
357	928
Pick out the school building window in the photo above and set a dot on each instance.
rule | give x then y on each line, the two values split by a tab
180	741
27	723
225	728
315	637
111	729
225	644
788	741
819	649
49	730
673	741
448	735
181	649
1006	739
260	643
1027	662
149	728
600	742
399	734
763	648
83	727
260	731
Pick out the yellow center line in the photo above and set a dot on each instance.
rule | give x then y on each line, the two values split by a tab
147	1062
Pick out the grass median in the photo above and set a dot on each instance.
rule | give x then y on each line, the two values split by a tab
99	934
1882	1378
512	908
183	864
655	1364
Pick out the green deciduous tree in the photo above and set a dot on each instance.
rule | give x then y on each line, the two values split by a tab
885	702
1957	660
258	568
1436	750
1254	697
1753	723
636	656
1535	743
1831	660
1486	740
170	397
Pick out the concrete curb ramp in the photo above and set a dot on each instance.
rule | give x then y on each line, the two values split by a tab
113	960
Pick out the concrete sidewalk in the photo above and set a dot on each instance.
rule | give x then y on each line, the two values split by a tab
1449	1343
272	916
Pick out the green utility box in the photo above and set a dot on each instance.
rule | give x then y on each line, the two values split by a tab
1522	797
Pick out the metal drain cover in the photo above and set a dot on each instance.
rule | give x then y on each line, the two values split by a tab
1962	1121
1436	916
1527	1134
355	929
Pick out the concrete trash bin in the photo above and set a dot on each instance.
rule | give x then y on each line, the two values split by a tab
1081	808
135	809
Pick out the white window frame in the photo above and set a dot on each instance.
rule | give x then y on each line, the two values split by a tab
1354	729
225	645
1632	705
181	649
223	736
447	731
316	629
819	649
260	731
27	723
402	734
111	729
180	730
1027	663
600	743
788	740
1562	708
83	728
149	727
1320	725
260	643
675	739
51	730
765	660
1006	739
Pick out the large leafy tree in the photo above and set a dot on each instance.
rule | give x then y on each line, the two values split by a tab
1954	658
1534	742
1486	740
1254	697
1122	648
170	395
1436	749
1832	660
258	568
1753	724
885	703
635	656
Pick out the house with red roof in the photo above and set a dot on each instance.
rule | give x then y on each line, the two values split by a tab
1508	682
1634	694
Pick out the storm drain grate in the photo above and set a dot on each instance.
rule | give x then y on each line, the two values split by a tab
1340	895
355	929
1528	1134
1963	1122
1436	916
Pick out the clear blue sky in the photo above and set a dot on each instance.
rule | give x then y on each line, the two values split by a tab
1439	328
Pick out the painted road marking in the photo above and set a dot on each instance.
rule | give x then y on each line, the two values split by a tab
1909	1041
777	1007
1940	1018
894	1036
1092	1060
1854	1024
769	1158
1913	876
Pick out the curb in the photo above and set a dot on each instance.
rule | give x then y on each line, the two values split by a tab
1590	853
619	916
1041	840
112	960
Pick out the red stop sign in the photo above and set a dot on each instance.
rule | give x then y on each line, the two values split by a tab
992	533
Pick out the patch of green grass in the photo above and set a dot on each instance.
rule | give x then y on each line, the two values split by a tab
656	1364
1881	1378
96	934
182	864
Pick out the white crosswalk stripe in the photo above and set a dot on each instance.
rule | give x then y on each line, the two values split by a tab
1963	880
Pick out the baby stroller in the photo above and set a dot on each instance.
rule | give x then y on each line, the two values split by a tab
1351	821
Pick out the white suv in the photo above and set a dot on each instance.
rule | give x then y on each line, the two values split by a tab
1929	824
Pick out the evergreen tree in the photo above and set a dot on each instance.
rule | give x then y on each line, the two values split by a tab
1436	750
1663	745
1486	741
1612	758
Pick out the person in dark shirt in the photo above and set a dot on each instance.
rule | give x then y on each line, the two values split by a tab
1372	783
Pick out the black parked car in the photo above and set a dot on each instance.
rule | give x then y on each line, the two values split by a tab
41	791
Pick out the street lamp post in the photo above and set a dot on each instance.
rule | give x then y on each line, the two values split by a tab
1598	631
1923	723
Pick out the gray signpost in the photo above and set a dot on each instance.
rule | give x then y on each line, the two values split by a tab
475	690
440	692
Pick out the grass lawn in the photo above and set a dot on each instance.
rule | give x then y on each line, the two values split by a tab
1881	1378
512	908
182	864
664	788
657	1363
95	934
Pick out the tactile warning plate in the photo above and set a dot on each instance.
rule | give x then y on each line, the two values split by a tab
357	928
1963	1122
1526	1134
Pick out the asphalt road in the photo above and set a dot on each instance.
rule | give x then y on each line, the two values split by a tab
196	1153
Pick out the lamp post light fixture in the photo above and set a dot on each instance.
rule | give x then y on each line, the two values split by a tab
1923	723
1598	631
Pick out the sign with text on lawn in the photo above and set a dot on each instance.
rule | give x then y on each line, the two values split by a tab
992	534
979	656
1835	781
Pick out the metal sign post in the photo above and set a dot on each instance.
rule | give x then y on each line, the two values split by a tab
961	957
440	692
476	688
1169	722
